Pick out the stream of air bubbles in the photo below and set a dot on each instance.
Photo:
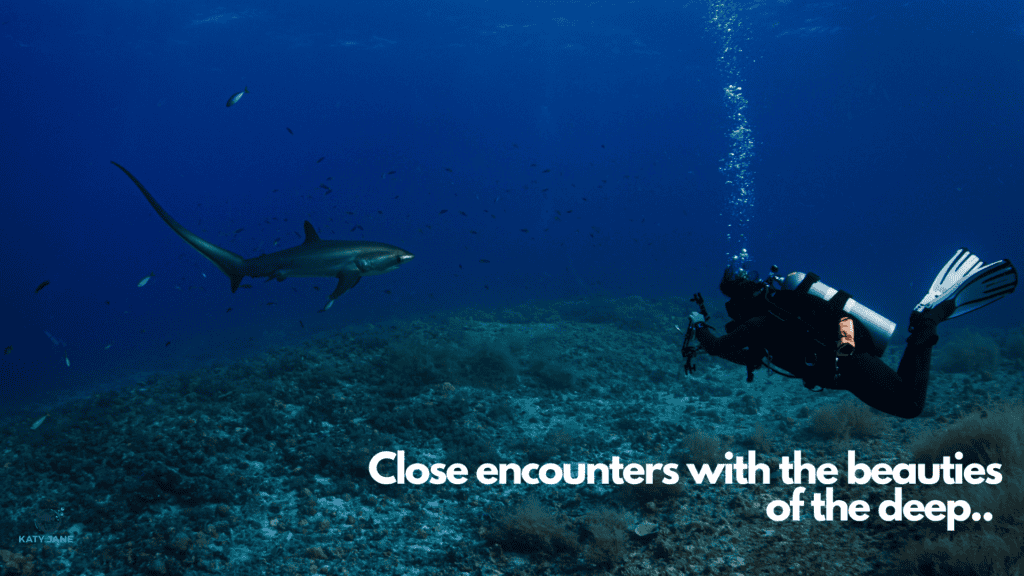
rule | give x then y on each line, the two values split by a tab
739	180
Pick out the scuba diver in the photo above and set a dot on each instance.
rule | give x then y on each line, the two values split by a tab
799	327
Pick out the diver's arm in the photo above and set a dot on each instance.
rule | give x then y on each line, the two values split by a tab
733	345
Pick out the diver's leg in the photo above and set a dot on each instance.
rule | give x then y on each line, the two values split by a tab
901	392
875	384
964	284
915	366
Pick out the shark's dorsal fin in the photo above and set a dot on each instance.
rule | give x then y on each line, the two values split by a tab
311	235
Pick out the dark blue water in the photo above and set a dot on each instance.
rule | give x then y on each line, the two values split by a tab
879	138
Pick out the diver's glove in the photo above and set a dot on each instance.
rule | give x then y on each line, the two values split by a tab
697	320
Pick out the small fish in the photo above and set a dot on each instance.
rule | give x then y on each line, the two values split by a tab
387	291
271	303
523	230
441	212
463	213
602	145
39	422
330	178
107	347
325	186
144	281
8	350
533	165
44	284
356	227
236	97
546	170
67	361
166	344
482	261
240	230
301	324
321	159
448	169
228	310
289	130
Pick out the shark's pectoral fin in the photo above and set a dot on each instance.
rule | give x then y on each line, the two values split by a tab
236	280
345	281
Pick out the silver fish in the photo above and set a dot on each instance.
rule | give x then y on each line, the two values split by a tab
236	97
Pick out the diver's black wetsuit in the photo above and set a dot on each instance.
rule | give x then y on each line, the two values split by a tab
901	392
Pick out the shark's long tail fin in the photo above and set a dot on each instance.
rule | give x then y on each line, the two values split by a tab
229	263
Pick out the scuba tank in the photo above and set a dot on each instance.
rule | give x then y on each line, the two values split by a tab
879	328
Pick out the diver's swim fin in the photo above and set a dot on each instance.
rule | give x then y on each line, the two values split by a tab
966	283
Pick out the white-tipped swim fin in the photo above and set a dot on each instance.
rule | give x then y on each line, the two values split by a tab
969	284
